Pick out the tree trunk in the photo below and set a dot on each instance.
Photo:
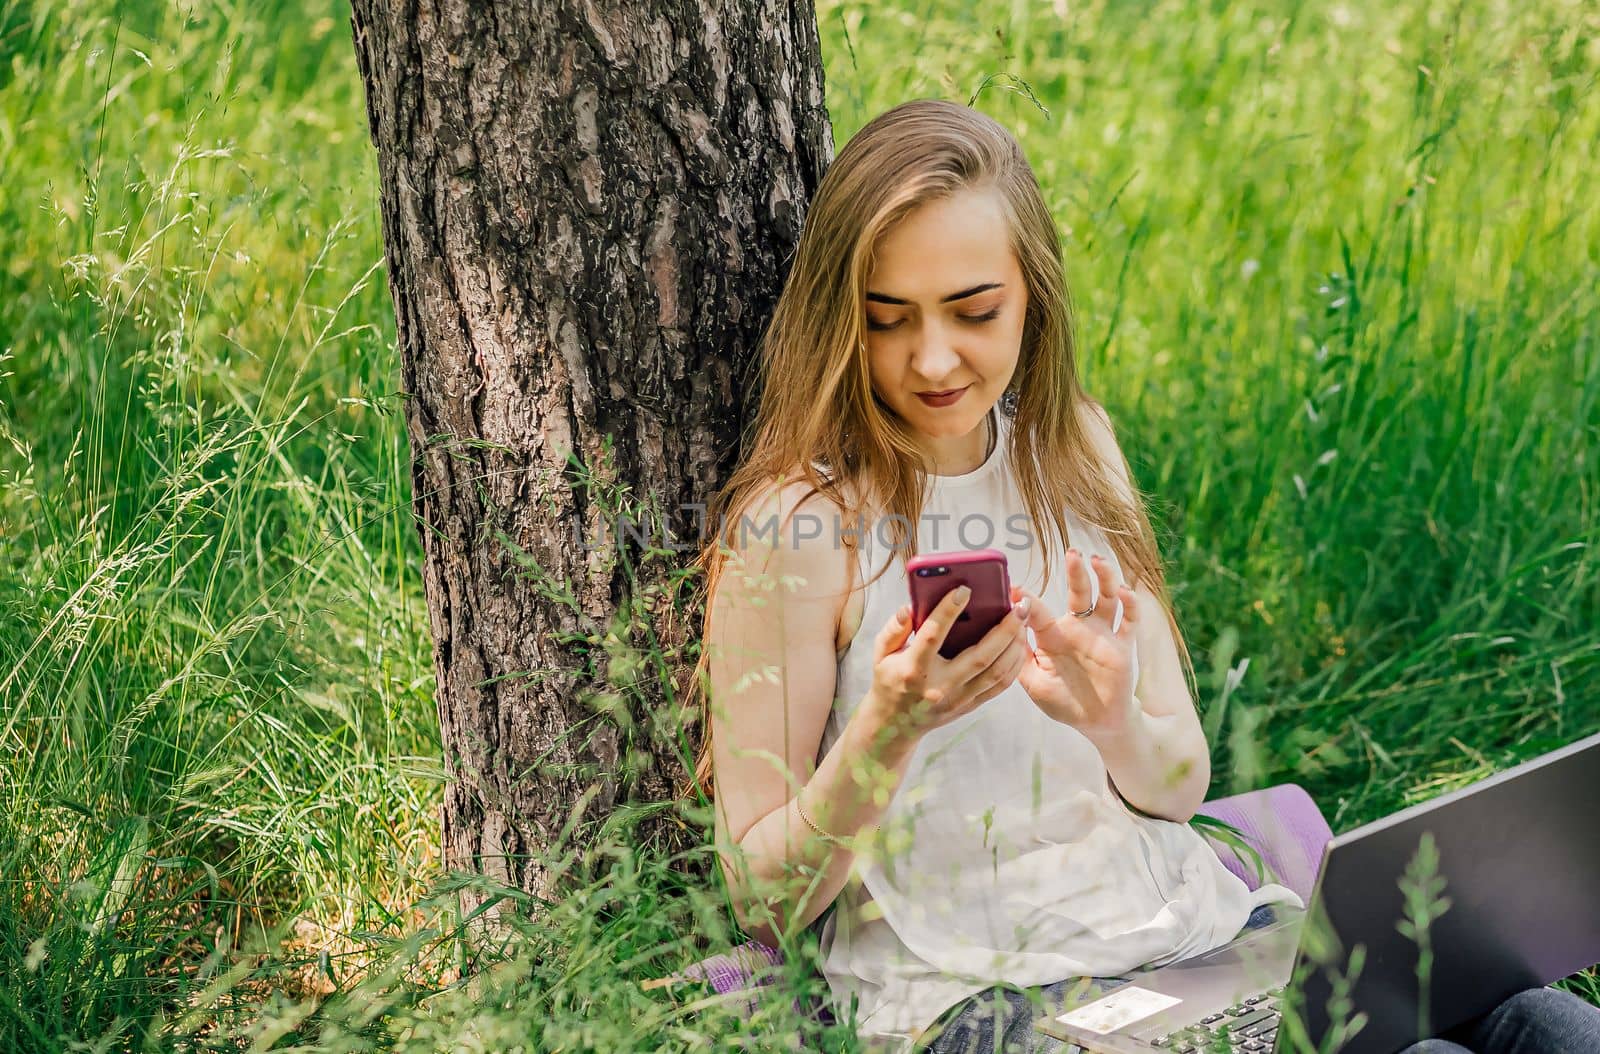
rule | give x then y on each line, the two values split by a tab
587	214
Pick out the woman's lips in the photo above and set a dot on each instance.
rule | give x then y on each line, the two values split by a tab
942	400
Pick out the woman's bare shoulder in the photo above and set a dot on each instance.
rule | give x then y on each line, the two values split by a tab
792	527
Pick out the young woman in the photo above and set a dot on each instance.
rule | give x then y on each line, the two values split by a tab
1016	815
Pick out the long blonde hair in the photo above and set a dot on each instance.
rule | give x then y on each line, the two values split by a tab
817	406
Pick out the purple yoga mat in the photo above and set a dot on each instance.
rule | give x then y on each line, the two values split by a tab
1281	823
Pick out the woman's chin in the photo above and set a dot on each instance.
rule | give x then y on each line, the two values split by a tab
936	427
947	422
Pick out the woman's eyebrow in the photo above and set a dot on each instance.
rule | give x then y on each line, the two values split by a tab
884	298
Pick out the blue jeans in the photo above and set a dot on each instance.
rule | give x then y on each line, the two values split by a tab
1535	1021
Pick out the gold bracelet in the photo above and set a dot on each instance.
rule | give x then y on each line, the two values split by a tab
824	835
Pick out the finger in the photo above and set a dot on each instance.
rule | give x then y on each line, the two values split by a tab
1130	611
1022	612
934	628
1024	658
980	690
1014	668
1000	636
985	695
985	687
1109	587
1079	590
1006	670
893	634
1010	661
1048	633
1029	677
1037	614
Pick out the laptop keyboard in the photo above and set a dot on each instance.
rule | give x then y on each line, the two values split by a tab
1252	1025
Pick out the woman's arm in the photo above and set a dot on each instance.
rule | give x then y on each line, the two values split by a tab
772	668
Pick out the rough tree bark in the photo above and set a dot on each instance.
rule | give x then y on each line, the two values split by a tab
588	210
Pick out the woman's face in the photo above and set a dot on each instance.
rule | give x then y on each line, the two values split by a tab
945	307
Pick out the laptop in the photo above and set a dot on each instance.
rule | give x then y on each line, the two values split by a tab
1486	890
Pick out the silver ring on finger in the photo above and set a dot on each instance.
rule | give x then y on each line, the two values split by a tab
1086	612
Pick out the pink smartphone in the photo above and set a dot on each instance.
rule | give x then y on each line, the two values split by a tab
932	575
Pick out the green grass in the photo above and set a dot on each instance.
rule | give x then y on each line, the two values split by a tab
1338	272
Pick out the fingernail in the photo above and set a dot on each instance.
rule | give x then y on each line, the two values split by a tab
962	593
1022	607
900	616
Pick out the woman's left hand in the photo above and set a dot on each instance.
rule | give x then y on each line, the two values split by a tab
1081	672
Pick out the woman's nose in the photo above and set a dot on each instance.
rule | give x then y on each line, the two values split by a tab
935	357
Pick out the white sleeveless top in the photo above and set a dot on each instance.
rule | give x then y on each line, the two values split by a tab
1016	861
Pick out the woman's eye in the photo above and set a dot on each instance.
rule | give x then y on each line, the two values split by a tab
988	316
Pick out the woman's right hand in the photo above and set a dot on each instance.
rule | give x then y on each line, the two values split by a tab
915	689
